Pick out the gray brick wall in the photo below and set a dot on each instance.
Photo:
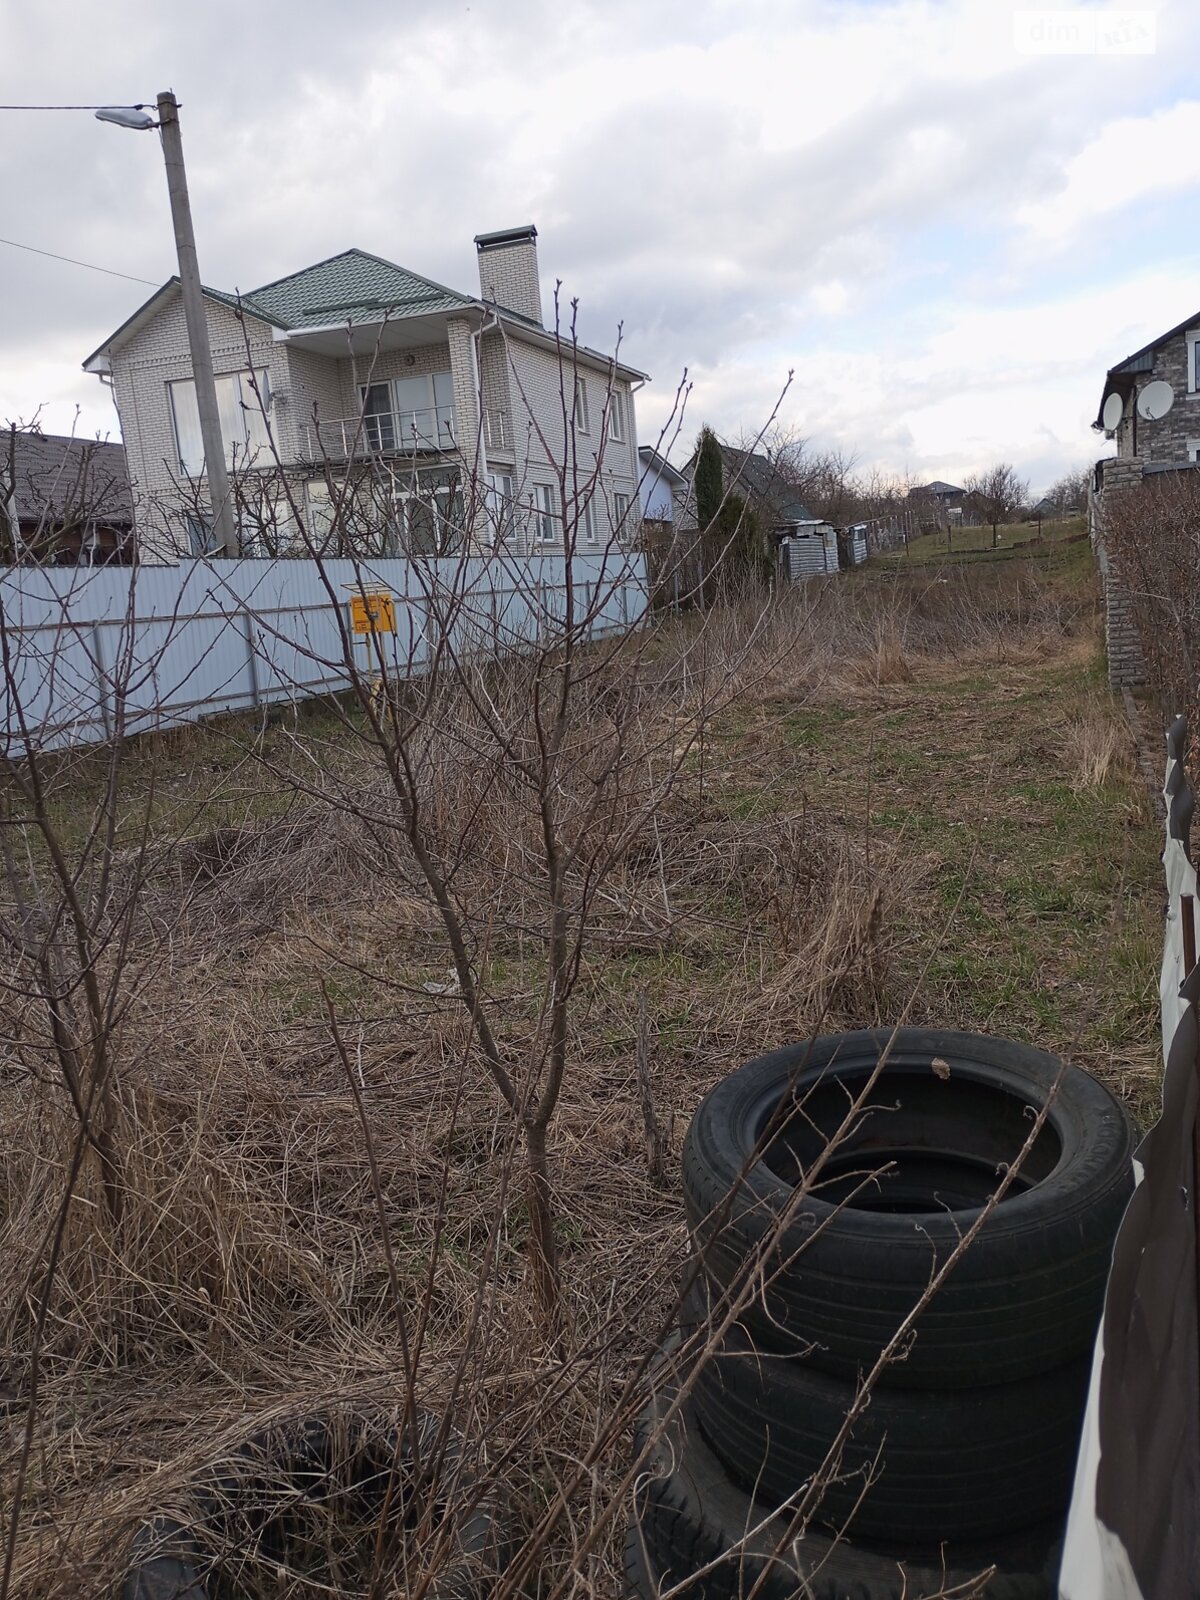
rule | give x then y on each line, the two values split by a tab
1166	439
1126	664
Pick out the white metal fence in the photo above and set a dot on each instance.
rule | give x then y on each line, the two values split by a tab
1133	1533
88	651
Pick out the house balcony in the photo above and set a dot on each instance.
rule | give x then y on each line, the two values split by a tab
403	433
380	433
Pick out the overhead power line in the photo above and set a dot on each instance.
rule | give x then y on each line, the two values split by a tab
71	261
66	108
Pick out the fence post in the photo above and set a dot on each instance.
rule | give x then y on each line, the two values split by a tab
101	680
251	658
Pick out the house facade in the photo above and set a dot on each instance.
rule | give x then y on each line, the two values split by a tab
658	485
359	400
1150	403
1150	408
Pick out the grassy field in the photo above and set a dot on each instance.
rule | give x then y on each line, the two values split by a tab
921	799
1010	537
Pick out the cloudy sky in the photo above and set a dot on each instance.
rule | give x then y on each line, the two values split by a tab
945	218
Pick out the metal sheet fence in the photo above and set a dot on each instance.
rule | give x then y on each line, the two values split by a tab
86	651
1133	1531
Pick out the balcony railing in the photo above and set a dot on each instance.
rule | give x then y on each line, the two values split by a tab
381	433
499	434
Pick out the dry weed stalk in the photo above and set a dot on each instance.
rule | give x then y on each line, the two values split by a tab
332	1209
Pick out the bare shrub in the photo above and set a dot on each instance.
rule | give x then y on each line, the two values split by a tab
1152	535
490	899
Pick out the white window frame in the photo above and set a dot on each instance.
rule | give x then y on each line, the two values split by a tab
1193	340
616	416
546	528
500	506
579	410
589	520
1193	449
620	512
235	399
401	438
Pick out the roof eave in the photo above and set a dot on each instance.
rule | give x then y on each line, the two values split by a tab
99	361
549	341
1118	381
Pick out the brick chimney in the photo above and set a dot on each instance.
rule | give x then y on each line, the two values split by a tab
508	270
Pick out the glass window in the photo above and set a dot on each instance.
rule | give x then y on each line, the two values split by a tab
189	446
589	520
201	537
240	412
443	400
500	504
620	509
379	425
414	414
579	415
616	416
422	528
545	521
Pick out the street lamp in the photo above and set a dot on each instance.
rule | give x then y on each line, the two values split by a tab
139	119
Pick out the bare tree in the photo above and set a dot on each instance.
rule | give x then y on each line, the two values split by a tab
996	495
1070	492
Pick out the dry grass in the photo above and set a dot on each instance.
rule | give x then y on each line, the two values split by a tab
250	1281
1096	744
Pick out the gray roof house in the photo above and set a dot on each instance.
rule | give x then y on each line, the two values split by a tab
807	544
1150	406
947	493
1150	401
66	500
757	479
460	416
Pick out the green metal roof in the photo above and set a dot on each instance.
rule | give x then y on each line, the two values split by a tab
351	287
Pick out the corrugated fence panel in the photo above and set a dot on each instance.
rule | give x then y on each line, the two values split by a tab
91	650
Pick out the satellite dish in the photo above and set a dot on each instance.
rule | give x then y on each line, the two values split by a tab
1155	400
1114	410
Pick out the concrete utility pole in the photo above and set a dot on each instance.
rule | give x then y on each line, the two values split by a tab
224	527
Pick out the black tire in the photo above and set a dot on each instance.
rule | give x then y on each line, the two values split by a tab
949	1110
236	1504
688	1515
961	1464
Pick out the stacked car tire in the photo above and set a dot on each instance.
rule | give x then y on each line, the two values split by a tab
827	1185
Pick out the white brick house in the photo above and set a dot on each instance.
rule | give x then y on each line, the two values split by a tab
462	417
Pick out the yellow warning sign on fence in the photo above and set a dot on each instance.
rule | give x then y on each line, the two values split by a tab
372	613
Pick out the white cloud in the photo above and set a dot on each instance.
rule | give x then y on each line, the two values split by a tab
963	387
1131	159
749	185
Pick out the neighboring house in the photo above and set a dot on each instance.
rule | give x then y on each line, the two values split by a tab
1150	406
940	504
1150	403
759	482
68	498
807	545
946	494
452	413
658	486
